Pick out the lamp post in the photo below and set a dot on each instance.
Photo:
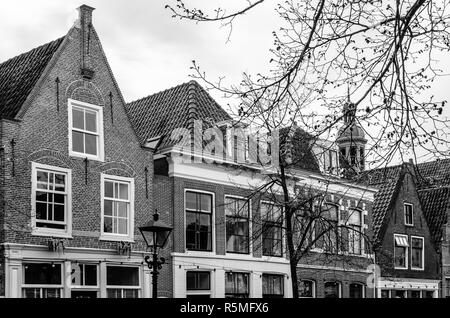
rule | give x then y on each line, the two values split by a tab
156	234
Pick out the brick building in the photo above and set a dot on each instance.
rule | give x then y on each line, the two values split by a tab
73	186
216	215
407	231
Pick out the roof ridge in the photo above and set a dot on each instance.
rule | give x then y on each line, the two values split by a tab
31	50
160	92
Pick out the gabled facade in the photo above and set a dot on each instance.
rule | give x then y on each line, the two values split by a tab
73	185
404	246
218	246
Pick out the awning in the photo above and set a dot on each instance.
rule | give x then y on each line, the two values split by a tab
401	241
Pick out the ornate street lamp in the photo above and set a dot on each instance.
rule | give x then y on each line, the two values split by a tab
156	234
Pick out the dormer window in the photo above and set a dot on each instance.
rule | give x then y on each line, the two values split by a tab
409	213
85	130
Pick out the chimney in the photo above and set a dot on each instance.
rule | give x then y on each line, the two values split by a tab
85	25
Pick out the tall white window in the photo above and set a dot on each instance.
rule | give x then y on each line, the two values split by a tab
51	200
85	130
237	213
117	208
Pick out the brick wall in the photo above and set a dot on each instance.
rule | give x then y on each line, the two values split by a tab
41	136
396	225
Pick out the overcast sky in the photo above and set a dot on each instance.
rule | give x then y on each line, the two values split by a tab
148	50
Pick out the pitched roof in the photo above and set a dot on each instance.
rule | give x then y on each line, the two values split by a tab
435	204
387	181
300	150
433	174
20	74
159	114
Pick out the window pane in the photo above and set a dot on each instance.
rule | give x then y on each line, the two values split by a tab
108	208
78	142
58	213
107	227
60	181
42	274
59	198
42	177
123	191
191	201
123	226
356	291
91	144
198	280
206	203
130	293
109	189
91	121
41	211
122	276
122	209
77	118
306	288
41	196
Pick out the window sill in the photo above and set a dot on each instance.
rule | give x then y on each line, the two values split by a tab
401	268
417	269
115	238
51	234
84	156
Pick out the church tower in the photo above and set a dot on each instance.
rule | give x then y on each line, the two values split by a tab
351	142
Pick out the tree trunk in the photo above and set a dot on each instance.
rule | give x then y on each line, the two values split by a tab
293	265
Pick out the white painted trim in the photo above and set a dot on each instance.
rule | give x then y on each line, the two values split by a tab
101	138
213	222
67	233
407	252
422	268
117	237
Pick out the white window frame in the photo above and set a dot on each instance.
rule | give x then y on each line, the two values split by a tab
313	287
213	222
412	213
67	233
43	286
406	249
361	230
200	292
423	253
101	144
122	287
113	236
282	275
250	243
86	287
